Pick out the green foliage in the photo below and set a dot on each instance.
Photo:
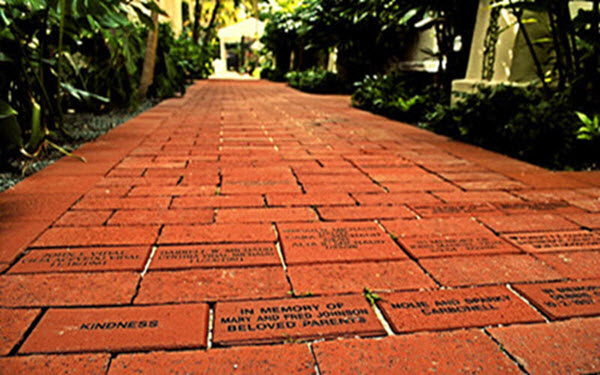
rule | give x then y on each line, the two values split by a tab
591	127
272	75
402	96
371	296
177	61
58	55
522	123
317	81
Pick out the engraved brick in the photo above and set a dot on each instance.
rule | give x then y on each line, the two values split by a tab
280	320
120	329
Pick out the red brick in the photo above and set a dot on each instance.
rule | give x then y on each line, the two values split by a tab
285	319
427	246
419	186
15	237
588	220
194	178
143	191
365	213
554	195
355	277
460	308
324	199
434	227
473	176
477	196
126	172
556	241
205	256
481	270
569	347
92	236
551	207
564	299
92	364
91	203
218	201
134	328
115	182
13	325
548	180
212	285
317	179
574	264
83	218
108	192
331	242
527	223
342	188
262	215
68	289
396	199
34	207
280	359
492	185
457	352
217	233
591	205
453	209
145	217
260	187
53	184
83	260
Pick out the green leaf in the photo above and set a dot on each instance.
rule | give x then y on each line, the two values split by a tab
37	133
10	131
583	118
6	110
82	95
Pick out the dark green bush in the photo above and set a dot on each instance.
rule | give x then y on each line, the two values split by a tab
274	75
318	81
522	123
402	96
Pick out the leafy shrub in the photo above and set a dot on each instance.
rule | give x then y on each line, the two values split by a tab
274	75
522	123
317	81
402	96
83	56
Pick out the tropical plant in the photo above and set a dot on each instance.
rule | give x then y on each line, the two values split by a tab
45	62
317	81
575	43
591	127
403	96
521	122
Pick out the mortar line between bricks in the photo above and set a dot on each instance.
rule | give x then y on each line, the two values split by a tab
15	350
314	355
367	176
298	182
547	320
505	351
382	319
415	260
110	360
211	325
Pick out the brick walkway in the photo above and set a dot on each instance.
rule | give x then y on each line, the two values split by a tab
236	230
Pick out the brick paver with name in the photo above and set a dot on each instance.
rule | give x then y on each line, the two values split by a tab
247	228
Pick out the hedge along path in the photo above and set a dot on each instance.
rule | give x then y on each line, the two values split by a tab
250	228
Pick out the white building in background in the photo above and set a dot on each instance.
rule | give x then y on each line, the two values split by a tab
513	62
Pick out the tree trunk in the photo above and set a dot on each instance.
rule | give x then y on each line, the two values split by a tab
211	24
197	17
149	59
